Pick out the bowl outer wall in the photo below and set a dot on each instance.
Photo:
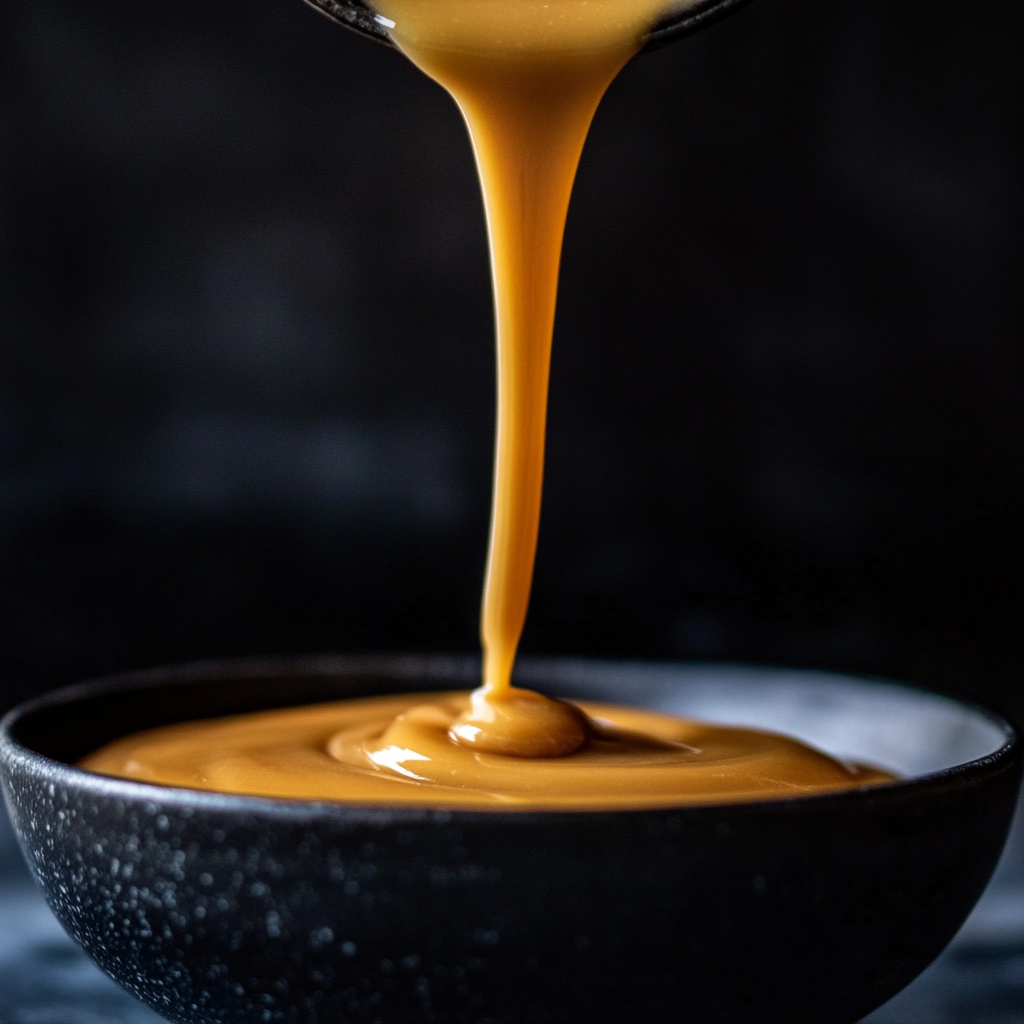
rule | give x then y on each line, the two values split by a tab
235	908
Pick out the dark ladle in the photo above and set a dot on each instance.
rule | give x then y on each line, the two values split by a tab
355	15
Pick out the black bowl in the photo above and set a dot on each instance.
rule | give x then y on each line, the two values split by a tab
222	908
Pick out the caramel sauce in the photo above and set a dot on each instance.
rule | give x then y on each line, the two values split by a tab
528	76
396	751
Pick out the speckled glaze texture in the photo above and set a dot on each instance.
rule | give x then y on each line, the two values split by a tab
212	908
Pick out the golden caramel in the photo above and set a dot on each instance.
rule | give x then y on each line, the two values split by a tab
528	76
396	751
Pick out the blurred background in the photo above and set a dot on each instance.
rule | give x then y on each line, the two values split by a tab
246	369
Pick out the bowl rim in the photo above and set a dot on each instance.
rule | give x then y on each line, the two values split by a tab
444	667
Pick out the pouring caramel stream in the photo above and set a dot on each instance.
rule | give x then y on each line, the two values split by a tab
528	76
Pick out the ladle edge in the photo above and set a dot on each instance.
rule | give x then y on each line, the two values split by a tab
356	16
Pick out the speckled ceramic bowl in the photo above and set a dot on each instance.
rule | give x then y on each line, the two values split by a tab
222	908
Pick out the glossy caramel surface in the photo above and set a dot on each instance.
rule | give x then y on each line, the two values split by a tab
397	751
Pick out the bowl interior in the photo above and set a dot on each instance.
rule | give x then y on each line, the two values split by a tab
874	722
879	723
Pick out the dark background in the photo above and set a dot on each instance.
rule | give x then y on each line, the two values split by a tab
246	382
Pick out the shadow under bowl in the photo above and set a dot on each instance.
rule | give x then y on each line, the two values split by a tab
231	908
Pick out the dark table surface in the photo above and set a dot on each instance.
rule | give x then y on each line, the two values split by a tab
46	979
